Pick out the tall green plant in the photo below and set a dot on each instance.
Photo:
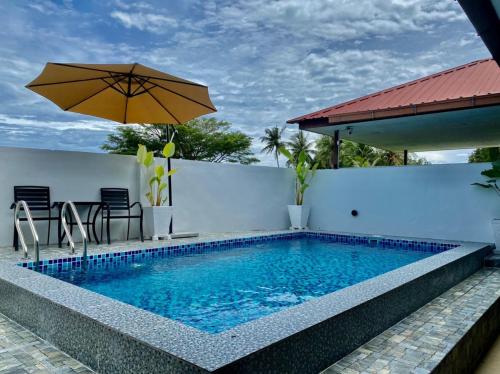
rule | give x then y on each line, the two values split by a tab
155	174
304	172
492	174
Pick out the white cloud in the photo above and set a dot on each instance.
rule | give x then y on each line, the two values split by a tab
31	132
156	23
446	157
46	7
264	61
337	20
32	121
133	5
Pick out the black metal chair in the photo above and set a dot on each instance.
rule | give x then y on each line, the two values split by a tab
116	200
38	200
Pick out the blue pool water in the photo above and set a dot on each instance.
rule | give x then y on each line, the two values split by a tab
216	291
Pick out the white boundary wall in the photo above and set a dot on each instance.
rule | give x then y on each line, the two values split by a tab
208	197
73	176
435	201
214	197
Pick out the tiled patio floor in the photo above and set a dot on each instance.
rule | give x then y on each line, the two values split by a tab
420	341
23	352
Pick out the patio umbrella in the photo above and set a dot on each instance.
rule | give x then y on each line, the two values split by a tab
125	93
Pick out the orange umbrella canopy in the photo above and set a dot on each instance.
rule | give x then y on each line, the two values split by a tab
126	93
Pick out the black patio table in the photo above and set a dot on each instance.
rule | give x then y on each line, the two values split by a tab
86	204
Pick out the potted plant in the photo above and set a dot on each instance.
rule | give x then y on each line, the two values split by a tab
491	183
157	216
304	172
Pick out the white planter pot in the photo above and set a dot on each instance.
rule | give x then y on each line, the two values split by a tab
157	221
299	215
495	224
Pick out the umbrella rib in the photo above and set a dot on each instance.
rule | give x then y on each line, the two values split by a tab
94	94
160	104
87	98
112	85
122	91
141	85
118	72
183	96
172	80
63	82
87	68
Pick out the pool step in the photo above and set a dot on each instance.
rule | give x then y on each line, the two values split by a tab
492	261
448	335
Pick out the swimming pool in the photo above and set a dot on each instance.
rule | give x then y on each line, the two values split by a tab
218	290
304	330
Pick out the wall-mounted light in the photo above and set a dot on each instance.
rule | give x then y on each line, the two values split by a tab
349	130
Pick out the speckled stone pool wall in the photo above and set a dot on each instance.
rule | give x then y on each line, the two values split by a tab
113	337
68	325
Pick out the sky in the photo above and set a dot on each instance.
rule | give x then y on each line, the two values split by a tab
264	61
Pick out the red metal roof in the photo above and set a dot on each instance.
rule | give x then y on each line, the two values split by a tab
478	79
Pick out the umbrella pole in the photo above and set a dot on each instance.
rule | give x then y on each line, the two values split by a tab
169	167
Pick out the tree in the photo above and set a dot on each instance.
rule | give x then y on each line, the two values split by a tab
362	162
323	154
204	139
485	155
390	158
492	176
298	143
360	155
413	159
272	142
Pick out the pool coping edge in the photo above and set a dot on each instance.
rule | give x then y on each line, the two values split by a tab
215	351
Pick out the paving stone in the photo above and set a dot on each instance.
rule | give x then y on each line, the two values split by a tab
23	352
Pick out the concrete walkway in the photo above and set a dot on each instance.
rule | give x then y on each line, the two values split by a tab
21	352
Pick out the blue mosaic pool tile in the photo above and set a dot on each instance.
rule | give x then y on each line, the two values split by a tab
106	259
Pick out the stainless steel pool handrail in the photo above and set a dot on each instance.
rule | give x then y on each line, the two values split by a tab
78	223
36	242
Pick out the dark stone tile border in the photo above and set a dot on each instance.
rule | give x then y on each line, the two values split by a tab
67	263
110	336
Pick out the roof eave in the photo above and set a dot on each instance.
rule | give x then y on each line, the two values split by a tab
403	111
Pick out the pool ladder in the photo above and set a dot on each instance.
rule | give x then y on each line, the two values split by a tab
21	204
67	230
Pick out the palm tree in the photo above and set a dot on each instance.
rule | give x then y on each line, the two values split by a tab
298	143
361	162
390	158
323	153
273	142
